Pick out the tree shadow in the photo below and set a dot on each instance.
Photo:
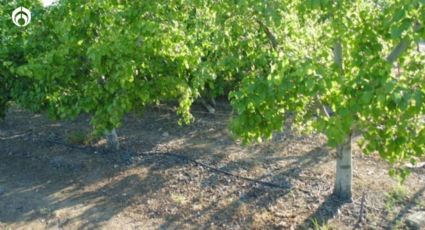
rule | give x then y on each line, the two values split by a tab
251	195
412	203
32	198
327	210
41	181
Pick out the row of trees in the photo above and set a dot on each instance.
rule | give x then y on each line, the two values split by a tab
329	64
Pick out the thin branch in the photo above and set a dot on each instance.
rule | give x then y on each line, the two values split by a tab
321	107
402	46
270	35
362	204
398	50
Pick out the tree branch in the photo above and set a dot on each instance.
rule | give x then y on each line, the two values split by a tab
270	35
401	46
398	50
338	58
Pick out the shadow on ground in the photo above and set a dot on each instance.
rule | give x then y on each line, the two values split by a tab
408	206
54	186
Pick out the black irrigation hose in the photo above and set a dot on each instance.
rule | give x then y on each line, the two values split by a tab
70	145
211	168
184	158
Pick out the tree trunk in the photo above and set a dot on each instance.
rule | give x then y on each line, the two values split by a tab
213	102
338	58
112	140
207	106
344	171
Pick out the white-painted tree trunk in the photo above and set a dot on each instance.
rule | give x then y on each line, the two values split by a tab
112	139
207	106
344	170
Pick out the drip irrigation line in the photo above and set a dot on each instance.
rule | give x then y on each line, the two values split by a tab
217	170
71	146
183	158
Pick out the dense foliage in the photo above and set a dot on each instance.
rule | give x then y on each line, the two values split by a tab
13	41
330	64
365	93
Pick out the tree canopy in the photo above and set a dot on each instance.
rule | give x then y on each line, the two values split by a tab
337	67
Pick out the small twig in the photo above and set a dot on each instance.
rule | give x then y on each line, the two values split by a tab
16	136
369	207
362	207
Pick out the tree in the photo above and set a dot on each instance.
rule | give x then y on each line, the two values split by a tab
329	64
107	58
350	72
111	57
12	52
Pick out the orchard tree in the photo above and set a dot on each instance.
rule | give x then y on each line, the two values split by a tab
107	58
13	40
330	64
336	74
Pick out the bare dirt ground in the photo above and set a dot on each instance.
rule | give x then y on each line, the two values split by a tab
47	181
